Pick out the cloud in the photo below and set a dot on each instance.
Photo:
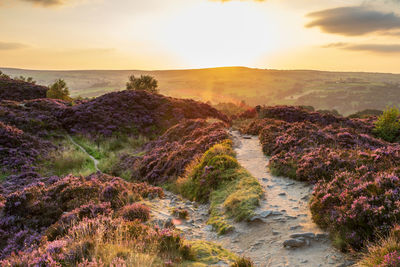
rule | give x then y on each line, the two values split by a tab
45	3
11	46
374	48
354	20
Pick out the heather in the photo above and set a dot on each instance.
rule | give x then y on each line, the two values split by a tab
18	90
133	112
167	157
46	209
355	174
218	178
19	151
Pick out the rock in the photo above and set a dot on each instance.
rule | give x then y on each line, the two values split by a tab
265	213
303	235
294	243
289	184
256	218
291	217
276	213
295	227
321	236
246	137
270	186
275	232
265	179
282	194
208	228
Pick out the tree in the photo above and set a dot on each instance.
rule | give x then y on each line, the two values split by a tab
58	90
28	80
3	75
144	83
387	126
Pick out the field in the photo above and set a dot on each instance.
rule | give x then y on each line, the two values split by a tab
346	92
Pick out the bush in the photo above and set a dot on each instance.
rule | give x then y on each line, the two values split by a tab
59	90
136	211
385	252
387	126
144	83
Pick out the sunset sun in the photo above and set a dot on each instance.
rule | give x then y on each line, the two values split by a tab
222	34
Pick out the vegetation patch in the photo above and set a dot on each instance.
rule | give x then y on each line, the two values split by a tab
218	178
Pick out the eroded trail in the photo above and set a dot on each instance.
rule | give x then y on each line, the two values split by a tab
282	218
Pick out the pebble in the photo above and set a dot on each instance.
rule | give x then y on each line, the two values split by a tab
303	235
282	194
295	243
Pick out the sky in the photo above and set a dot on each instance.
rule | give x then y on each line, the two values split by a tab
336	35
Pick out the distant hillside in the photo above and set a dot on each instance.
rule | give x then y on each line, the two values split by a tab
347	92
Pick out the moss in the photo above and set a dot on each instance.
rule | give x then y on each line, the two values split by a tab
219	179
210	253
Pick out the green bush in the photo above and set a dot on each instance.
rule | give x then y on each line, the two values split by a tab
144	83
59	90
387	126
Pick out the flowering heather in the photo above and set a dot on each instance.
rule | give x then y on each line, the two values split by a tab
38	117
356	195
298	114
133	112
168	156
28	213
11	89
19	150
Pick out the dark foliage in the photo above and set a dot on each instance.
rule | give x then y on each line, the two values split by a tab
19	90
168	156
133	112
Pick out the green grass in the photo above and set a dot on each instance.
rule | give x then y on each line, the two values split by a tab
231	191
108	151
208	253
3	176
68	159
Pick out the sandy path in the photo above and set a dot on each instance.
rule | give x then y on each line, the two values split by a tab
283	212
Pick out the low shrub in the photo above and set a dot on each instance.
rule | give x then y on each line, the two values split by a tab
219	179
136	211
387	125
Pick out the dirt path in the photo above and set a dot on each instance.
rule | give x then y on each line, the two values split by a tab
95	161
283	218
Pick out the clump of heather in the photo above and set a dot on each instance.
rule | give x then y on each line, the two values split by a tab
133	111
18	90
136	211
38	117
168	156
19	150
356	194
49	209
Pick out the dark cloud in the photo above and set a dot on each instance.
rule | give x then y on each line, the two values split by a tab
374	48
45	3
11	46
355	20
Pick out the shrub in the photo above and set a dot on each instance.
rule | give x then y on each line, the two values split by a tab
243	262
385	252
136	211
387	126
144	83
58	90
218	178
180	213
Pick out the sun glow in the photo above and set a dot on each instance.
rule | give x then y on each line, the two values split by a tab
223	34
